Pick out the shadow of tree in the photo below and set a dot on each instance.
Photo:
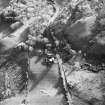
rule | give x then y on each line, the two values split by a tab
36	81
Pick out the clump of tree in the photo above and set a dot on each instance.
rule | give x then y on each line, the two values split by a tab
58	36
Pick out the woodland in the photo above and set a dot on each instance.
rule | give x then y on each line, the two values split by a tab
52	52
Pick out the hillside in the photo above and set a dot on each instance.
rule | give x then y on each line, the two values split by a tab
52	52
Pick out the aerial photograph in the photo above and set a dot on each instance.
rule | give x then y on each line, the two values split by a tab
52	52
